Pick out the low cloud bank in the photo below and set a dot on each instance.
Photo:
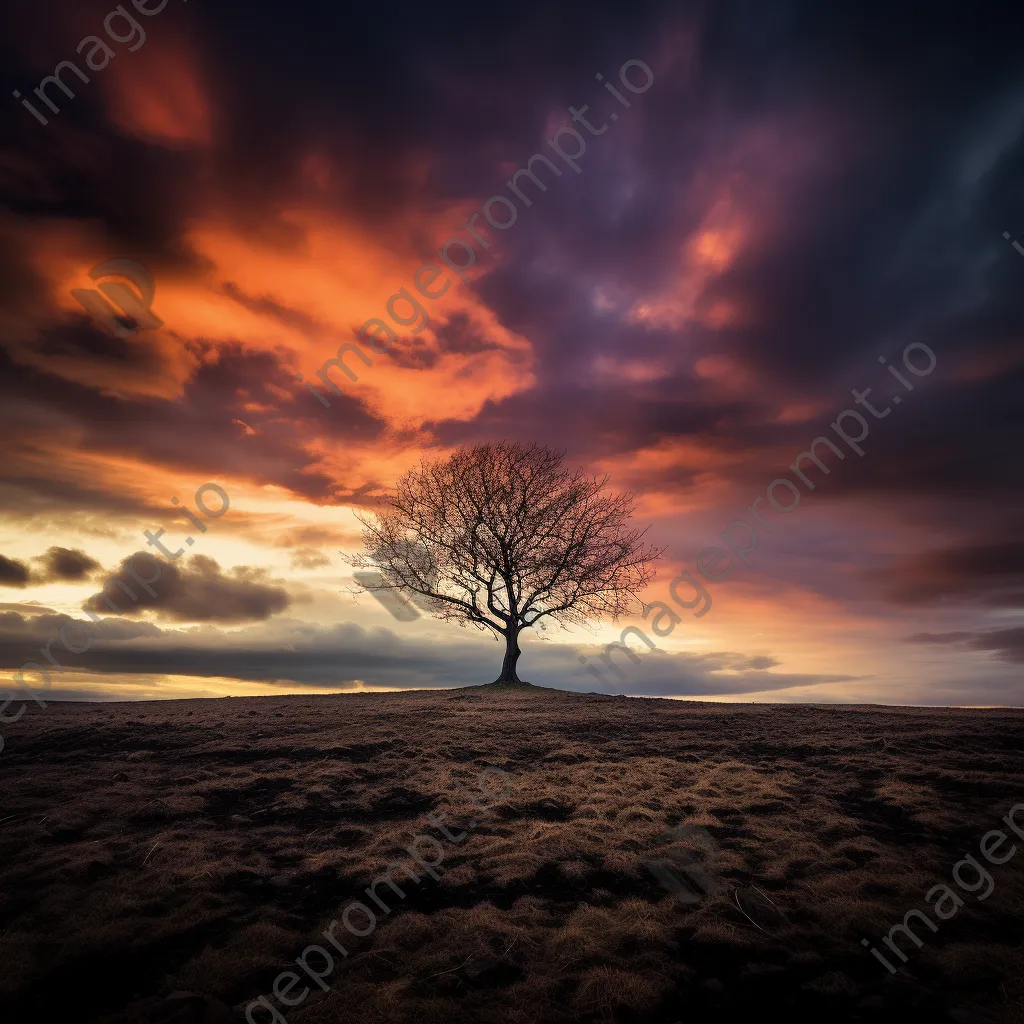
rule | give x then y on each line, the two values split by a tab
287	650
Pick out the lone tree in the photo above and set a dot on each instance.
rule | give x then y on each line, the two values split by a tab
502	536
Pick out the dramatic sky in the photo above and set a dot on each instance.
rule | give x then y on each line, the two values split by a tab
804	190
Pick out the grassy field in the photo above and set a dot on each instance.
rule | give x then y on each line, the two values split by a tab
203	845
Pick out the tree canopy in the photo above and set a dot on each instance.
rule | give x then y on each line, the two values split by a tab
502	536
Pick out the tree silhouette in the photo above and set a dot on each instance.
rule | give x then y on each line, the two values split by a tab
503	536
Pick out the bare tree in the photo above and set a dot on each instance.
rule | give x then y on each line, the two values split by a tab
502	536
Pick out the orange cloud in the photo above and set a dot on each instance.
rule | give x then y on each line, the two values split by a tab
674	477
336	279
306	296
160	98
704	256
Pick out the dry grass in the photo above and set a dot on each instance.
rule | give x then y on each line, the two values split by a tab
202	845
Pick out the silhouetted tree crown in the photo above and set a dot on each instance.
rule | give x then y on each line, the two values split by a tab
502	536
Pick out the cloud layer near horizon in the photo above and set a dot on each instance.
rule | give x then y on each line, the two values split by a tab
343	655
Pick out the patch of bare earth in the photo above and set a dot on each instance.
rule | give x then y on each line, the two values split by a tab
202	845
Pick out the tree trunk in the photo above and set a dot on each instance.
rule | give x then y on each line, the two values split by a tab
512	652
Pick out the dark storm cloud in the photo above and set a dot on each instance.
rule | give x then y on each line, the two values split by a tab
13	573
889	228
449	95
990	573
459	336
412	356
66	564
239	415
194	592
1008	644
26	496
79	338
69	564
268	307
